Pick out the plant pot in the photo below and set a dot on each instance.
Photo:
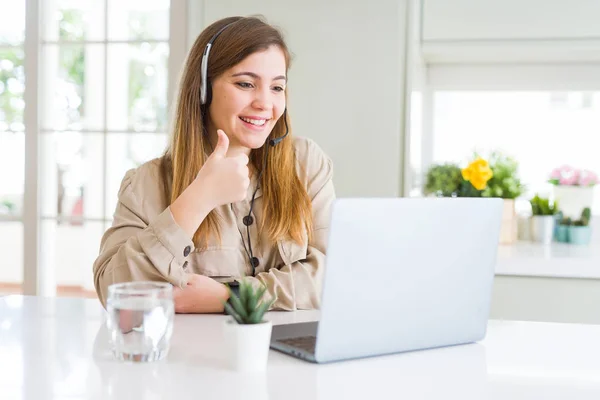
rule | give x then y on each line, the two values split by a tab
508	229
572	199
542	228
247	345
562	233
580	234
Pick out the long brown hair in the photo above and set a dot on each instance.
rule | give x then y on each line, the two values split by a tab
284	196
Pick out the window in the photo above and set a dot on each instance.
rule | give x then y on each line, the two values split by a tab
102	104
12	142
541	129
103	101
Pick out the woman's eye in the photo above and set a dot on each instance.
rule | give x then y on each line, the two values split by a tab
278	89
244	85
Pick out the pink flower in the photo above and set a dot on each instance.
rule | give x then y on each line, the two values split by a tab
568	180
588	178
567	175
556	173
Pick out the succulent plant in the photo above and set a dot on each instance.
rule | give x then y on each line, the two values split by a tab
247	307
586	215
543	206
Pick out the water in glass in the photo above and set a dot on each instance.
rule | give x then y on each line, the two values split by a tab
140	320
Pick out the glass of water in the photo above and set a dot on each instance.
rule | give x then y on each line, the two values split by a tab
140	320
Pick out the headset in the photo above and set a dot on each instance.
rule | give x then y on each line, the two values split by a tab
205	99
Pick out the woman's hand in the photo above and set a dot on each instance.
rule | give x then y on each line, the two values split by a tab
224	179
201	295
221	180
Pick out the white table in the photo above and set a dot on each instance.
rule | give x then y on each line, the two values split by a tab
56	348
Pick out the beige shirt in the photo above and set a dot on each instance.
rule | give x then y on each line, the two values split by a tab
145	242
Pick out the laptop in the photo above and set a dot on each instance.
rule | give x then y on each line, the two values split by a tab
401	274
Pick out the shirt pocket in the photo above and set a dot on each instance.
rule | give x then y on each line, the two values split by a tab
218	262
291	251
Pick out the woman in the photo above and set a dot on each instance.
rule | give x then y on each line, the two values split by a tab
235	195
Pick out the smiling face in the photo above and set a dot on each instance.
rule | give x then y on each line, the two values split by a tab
248	99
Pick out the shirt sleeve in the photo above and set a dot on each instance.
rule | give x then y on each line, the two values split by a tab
136	249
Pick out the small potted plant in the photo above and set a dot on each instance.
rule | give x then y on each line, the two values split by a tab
561	228
573	188
542	219
443	180
580	231
247	333
505	184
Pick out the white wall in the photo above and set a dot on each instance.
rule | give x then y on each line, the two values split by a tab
546	299
346	82
510	20
511	30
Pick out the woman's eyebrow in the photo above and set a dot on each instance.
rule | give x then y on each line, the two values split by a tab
255	76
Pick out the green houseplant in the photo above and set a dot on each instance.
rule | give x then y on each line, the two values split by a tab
580	231
443	180
542	219
562	227
543	206
493	177
505	183
247	333
246	308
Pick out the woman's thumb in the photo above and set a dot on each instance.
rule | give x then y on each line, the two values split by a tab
222	144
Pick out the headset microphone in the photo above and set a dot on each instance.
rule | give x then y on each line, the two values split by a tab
275	141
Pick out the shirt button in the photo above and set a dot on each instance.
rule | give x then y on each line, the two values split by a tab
185	265
186	251
248	220
255	262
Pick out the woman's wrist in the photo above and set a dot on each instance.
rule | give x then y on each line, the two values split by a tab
190	209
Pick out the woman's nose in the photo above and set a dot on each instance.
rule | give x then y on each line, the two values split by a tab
262	99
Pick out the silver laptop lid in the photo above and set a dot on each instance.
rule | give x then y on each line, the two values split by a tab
405	274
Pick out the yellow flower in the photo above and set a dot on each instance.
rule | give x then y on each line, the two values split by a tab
478	173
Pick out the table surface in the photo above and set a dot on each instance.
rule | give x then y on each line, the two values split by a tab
56	348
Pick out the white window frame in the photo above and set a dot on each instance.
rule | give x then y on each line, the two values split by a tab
497	77
38	277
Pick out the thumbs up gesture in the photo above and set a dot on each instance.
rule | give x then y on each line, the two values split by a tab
224	179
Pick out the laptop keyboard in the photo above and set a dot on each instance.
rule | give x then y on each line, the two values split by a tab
306	343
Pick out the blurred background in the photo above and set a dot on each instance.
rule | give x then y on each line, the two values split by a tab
403	95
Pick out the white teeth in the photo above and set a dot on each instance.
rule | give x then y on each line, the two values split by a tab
257	122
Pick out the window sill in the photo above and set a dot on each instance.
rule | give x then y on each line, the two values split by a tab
558	260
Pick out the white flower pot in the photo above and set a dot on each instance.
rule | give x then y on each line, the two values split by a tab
508	229
573	199
542	228
247	345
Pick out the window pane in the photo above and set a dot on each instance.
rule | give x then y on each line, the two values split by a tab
12	86
12	21
73	20
137	87
12	173
126	151
71	175
11	248
70	249
73	91
138	20
542	130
